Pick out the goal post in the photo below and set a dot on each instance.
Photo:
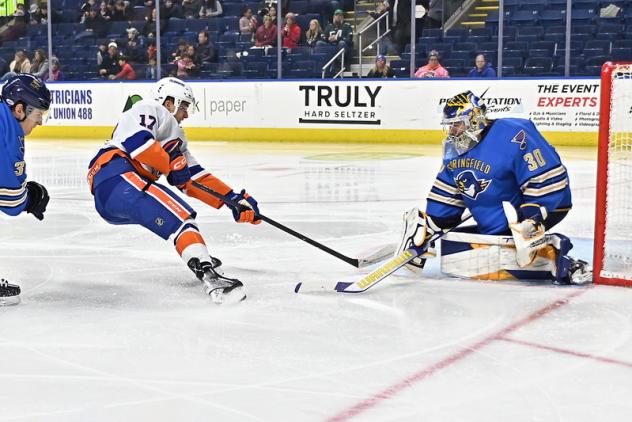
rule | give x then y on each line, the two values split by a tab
613	217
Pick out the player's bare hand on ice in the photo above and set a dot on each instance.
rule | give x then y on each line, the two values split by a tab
37	199
246	209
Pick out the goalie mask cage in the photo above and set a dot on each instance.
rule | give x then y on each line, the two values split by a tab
613	219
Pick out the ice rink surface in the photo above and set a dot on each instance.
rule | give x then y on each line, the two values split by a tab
113	326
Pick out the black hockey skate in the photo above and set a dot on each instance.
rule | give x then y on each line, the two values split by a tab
221	289
579	273
9	293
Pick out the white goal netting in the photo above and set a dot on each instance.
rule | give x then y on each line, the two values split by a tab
617	246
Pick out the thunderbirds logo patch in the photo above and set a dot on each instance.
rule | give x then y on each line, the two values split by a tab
469	185
520	138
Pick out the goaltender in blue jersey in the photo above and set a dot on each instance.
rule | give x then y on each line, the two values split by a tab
515	186
24	103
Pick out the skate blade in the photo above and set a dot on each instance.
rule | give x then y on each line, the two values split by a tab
9	300
233	297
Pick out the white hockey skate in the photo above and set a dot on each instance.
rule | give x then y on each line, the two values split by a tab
9	293
219	288
580	272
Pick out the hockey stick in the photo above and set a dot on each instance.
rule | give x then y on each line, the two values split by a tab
388	268
377	256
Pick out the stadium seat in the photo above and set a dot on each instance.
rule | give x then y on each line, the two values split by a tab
524	16
622	54
584	16
552	16
538	65
530	33
609	31
455	35
596	48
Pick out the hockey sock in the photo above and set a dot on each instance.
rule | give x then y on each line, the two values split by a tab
190	244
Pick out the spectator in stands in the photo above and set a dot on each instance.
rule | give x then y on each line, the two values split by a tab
39	65
272	11
122	11
381	69
180	49
94	25
86	7
105	11
127	71
110	65
191	8
247	22
102	51
482	69
186	67
20	64
211	8
36	15
433	69
380	9
205	48
291	31
135	46
171	10
21	15
266	34
338	33
193	54
314	33
150	24
56	73
151	71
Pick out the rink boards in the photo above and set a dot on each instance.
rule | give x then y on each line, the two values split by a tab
389	111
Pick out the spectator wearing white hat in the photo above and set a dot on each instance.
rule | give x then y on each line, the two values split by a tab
110	64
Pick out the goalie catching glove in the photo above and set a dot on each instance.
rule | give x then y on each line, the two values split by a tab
244	207
418	230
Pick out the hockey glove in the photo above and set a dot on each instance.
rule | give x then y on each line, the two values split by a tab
37	199
528	235
246	209
180	173
418	229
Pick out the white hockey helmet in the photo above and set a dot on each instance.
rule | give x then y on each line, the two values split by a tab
174	88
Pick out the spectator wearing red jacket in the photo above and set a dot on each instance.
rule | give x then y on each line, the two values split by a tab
291	31
266	33
127	71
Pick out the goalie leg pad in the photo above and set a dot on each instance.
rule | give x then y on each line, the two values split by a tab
489	257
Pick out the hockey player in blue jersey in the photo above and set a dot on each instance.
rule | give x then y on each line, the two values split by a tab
24	103
516	188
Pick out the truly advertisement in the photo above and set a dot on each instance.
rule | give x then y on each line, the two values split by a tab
340	104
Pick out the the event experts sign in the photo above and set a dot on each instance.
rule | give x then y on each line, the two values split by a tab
565	105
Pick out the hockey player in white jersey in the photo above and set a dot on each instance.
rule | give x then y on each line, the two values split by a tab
146	143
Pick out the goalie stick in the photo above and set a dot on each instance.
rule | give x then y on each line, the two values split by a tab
386	269
375	257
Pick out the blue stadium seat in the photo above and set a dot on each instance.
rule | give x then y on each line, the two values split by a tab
622	54
234	9
530	33
514	62
538	65
177	25
465	46
584	16
583	32
543	45
432	33
610	31
523	46
552	16
300	7
455	35
231	23
524	16
622	44
197	25
592	66
596	48
141	12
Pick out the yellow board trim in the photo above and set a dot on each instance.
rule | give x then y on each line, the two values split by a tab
342	136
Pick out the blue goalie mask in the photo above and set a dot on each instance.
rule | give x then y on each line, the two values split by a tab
463	120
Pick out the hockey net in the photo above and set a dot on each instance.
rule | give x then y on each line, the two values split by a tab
613	223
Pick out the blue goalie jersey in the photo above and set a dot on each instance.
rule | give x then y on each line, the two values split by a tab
12	165
514	163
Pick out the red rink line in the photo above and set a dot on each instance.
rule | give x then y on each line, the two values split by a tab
568	352
424	373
